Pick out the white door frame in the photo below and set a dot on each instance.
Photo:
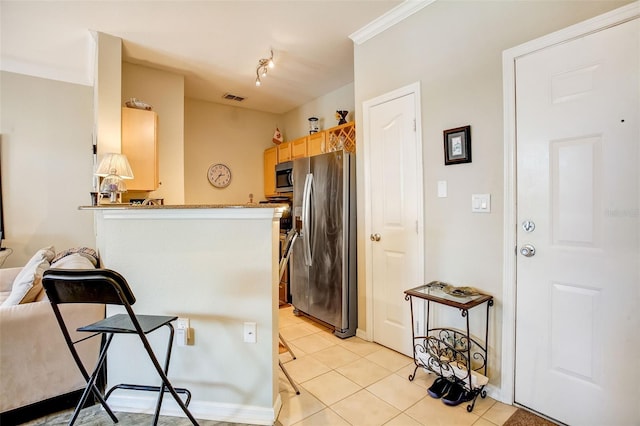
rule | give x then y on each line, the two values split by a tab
368	279
509	57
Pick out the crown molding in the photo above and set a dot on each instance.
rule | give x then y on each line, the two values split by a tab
389	19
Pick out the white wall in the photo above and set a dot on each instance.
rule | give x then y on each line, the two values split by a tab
295	123
234	136
165	92
454	49
46	129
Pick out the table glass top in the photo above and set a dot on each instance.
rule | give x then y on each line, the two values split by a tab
440	291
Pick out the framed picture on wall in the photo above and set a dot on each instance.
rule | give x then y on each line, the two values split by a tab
457	145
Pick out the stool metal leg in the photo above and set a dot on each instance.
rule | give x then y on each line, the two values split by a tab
91	380
165	379
284	370
284	343
91	384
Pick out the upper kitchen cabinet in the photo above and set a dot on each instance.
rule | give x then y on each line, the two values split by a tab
270	161
316	144
140	145
299	148
284	152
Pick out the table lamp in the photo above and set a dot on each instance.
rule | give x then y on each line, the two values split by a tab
114	168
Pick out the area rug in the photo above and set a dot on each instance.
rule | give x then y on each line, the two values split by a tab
526	418
95	416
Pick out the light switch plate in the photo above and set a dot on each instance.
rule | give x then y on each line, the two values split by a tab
481	203
442	189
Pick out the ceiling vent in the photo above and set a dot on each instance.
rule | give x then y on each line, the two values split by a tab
232	97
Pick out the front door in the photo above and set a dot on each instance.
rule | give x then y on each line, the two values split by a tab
578	273
396	223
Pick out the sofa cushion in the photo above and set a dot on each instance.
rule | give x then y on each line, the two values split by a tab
87	252
73	261
70	261
28	282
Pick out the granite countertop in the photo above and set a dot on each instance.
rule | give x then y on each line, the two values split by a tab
123	206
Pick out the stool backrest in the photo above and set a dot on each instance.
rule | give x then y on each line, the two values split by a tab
103	286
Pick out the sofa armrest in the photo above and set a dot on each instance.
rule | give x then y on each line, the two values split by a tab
7	276
35	362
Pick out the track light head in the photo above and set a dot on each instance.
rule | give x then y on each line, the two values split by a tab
263	68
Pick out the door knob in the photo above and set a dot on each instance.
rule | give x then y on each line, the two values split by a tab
375	237
528	250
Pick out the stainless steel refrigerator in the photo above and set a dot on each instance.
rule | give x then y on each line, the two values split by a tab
323	259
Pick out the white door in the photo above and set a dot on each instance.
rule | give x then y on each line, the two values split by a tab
396	209
578	304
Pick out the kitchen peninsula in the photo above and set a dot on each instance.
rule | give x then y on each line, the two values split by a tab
216	265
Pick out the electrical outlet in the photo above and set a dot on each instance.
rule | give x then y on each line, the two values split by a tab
250	332
182	323
183	331
182	336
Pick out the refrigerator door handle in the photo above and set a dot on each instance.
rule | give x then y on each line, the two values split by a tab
306	216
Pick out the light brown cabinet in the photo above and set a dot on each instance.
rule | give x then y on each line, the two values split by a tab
316	144
299	148
140	145
270	161
284	152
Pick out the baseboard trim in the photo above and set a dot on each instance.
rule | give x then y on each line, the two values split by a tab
363	334
201	410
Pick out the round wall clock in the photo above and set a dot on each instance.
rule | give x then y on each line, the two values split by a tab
219	175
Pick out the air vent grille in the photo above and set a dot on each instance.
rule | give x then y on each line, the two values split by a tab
232	97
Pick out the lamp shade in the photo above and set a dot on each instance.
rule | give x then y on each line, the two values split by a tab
115	164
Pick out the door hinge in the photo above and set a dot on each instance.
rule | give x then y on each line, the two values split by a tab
416	226
414	124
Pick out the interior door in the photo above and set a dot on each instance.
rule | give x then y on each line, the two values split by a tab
578	273
395	222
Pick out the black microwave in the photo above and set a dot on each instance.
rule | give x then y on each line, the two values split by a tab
284	177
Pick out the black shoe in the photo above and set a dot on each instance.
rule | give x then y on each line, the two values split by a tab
439	387
456	395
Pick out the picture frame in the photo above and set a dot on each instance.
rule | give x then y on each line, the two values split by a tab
457	145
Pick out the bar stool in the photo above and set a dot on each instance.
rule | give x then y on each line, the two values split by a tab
104	286
291	238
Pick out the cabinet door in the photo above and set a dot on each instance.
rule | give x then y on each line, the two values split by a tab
316	144
299	148
139	144
284	152
270	161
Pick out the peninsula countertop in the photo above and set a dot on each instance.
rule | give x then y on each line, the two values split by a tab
125	206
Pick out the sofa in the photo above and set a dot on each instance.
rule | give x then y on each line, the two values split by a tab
36	365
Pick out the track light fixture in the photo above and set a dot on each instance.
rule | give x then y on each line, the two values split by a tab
263	68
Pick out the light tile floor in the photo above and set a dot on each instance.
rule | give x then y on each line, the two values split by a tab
355	382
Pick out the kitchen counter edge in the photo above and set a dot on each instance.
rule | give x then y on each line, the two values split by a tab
181	206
